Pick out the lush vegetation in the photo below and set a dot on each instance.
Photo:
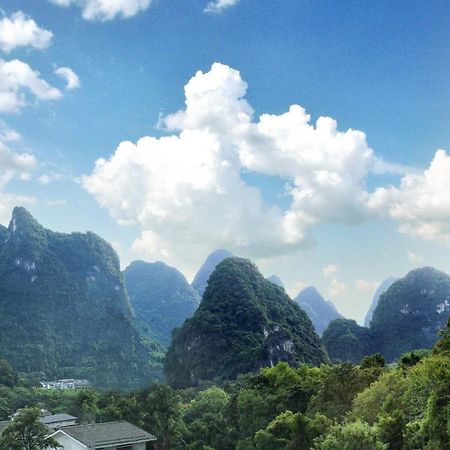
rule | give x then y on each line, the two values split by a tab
320	311
243	323
411	312
382	288
161	298
343	406
64	311
408	316
27	432
346	341
200	280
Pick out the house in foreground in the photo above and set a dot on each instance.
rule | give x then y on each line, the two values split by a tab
55	421
105	436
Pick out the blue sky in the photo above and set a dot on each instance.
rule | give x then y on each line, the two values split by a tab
378	67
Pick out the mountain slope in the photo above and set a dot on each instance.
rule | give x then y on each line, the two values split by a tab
346	341
320	311
411	312
63	307
161	298
244	322
382	288
201	278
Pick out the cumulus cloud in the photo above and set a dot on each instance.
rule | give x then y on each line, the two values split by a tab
217	6
414	257
13	164
336	287
185	190
19	30
104	10
72	80
421	203
366	285
19	82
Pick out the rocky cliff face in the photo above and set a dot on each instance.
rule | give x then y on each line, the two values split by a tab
410	314
243	323
64	310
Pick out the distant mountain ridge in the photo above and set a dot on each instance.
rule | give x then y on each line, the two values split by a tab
382	288
64	310
201	278
408	316
320	311
276	280
243	323
161	298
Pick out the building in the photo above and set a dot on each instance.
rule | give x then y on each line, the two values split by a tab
55	421
66	383
105	436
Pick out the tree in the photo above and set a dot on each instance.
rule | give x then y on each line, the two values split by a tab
162	417
351	436
27	432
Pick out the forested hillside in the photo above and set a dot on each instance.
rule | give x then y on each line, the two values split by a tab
161	298
243	323
408	316
64	311
343	406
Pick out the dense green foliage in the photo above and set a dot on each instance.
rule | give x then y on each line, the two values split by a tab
382	288
243	323
411	312
64	311
343	406
320	311
200	280
26	432
346	341
161	298
408	316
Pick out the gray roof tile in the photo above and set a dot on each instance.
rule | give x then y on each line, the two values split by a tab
109	433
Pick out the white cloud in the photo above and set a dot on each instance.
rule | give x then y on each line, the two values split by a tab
336	288
17	81
7	134
20	30
72	80
55	202
414	257
217	6
330	271
421	203
104	10
186	194
13	164
366	285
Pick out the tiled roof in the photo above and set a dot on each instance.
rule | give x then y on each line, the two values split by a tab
57	418
98	435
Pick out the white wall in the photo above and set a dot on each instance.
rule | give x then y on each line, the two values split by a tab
68	443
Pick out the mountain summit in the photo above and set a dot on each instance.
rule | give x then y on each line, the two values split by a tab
161	298
64	311
243	323
320	311
201	278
